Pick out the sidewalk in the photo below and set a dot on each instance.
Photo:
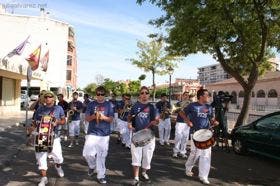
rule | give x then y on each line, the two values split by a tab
12	137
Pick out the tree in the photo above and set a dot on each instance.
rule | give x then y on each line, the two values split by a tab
237	33
109	85
153	58
134	86
90	89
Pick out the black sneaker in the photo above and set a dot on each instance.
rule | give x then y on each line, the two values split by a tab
90	172
135	182
118	141
102	181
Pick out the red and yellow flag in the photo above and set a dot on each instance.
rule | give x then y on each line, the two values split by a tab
34	58
45	61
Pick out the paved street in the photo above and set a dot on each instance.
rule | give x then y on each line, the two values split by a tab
227	168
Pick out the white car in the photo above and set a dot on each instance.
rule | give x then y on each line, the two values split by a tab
34	97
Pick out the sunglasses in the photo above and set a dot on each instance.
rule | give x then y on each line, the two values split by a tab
48	96
100	94
144	93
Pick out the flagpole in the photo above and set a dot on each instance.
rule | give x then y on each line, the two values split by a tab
28	77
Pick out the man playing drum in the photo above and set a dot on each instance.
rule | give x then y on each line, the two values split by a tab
144	116
199	116
57	112
100	115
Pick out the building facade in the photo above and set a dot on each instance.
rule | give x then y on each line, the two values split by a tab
265	96
212	74
53	36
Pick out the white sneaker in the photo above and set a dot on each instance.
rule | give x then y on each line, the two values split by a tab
204	181
43	182
183	155
175	155
189	174
71	145
59	171
145	176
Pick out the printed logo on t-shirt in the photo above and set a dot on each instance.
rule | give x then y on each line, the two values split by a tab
202	112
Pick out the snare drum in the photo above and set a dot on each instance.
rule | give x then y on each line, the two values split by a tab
142	137
203	139
44	135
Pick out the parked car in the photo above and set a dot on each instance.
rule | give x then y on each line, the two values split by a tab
261	136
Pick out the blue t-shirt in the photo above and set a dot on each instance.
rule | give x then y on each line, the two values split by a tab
78	105
199	115
114	104
144	118
43	110
102	128
160	107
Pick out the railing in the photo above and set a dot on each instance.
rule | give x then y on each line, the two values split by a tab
232	117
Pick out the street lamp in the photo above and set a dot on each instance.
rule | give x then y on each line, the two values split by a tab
170	72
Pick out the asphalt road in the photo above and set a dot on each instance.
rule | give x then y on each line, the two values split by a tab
227	168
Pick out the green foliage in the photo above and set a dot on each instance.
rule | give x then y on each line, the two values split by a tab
238	33
90	89
153	58
142	77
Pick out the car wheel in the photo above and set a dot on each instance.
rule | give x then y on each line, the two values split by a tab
239	147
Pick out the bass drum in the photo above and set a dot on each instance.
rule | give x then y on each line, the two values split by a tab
203	139
44	135
142	137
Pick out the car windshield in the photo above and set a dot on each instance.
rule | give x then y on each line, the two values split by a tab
271	122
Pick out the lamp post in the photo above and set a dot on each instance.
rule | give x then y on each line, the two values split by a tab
170	72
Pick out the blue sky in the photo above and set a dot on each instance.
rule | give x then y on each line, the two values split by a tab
106	35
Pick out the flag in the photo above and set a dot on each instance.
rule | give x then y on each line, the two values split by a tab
34	58
45	61
19	49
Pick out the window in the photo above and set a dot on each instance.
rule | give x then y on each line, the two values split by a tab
271	122
241	94
272	93
253	94
261	94
68	75
69	60
234	97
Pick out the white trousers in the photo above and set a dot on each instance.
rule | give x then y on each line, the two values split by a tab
84	122
74	128
204	156
182	131
56	154
125	133
95	152
164	129
142	156
114	123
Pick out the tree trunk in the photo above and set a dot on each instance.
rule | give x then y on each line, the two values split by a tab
154	86
243	116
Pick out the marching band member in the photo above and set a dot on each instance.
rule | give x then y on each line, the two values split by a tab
181	129
83	119
144	116
199	114
57	112
100	115
114	104
76	108
119	107
65	106
125	132
164	128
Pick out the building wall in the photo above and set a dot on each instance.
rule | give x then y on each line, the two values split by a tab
52	35
211	74
257	103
